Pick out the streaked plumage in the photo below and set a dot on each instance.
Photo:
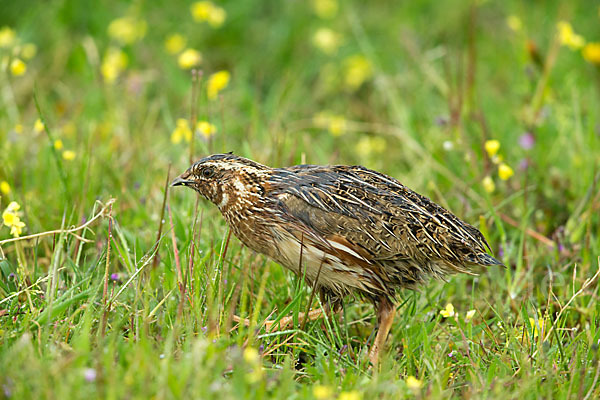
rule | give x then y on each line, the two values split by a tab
361	231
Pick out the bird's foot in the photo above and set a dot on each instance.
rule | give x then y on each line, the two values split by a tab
374	356
283	323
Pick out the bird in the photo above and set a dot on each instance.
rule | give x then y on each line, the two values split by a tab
344	229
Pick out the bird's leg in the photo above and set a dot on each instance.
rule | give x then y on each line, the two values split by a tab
385	318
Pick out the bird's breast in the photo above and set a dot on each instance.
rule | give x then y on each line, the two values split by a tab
318	263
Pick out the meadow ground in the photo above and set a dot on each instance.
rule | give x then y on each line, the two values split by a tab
489	108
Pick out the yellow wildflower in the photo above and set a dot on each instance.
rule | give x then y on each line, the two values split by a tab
58	144
351	395
492	147
370	145
321	119
209	12
448	311
182	131
127	30
470	315
8	218
18	67
189	59
505	172
114	63
535	327
38	126
217	82
7	37
29	51
68	155
568	37
18	128
325	9
11	218
206	129
591	52
217	17
514	23
17	228
357	70
175	43
251	355
4	188
322	392
326	40
200	10
488	184
337	125
413	383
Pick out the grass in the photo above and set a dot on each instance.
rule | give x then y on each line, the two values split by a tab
128	291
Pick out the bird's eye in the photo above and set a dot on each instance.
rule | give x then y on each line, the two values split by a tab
207	172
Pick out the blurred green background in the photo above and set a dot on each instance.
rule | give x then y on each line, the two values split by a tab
489	108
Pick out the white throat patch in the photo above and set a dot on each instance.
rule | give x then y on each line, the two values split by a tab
224	200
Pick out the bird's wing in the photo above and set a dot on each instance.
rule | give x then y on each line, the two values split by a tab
377	216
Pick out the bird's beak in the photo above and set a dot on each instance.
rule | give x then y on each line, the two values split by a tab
179	181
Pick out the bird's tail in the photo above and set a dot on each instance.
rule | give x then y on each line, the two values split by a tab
486	259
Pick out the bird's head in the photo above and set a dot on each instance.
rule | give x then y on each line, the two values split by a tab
223	178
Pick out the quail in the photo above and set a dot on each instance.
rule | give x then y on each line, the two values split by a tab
345	229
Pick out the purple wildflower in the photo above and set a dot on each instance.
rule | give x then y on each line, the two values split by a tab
114	276
527	141
524	164
7	388
89	374
343	349
500	251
